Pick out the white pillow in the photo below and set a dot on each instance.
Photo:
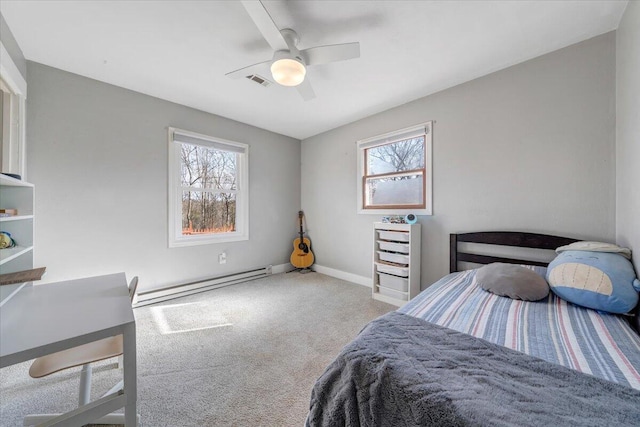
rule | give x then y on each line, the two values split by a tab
596	247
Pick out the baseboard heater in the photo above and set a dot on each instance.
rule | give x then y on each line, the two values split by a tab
177	291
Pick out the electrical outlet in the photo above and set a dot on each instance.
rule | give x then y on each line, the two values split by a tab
222	258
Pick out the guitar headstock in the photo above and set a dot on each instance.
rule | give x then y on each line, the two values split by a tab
300	214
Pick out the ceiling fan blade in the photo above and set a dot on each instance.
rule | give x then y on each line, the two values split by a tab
305	90
330	53
265	24
247	71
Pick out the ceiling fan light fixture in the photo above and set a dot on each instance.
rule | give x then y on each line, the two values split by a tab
288	72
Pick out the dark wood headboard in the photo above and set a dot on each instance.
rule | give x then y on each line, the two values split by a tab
503	238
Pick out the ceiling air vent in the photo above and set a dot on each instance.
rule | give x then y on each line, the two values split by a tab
259	79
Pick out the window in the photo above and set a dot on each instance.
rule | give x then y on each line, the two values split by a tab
394	172
13	92
208	189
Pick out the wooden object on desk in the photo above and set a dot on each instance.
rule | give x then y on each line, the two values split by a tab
22	276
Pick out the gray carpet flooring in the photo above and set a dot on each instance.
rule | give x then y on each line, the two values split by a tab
243	355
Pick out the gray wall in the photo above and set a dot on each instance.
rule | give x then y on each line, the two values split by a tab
628	131
97	155
528	148
12	47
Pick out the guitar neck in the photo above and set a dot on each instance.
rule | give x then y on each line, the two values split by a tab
300	215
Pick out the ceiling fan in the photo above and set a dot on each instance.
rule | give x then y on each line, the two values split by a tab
289	64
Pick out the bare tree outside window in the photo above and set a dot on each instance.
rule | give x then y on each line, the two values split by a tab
394	174
209	187
399	156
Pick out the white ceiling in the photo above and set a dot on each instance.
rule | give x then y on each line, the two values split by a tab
181	50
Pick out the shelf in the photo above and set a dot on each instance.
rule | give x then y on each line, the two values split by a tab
7	255
19	195
393	301
15	218
392	293
9	181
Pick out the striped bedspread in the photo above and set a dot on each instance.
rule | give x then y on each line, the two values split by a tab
595	343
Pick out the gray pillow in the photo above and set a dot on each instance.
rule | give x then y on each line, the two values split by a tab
513	281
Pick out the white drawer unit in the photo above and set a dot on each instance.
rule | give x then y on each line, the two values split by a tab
396	283
396	262
394	257
393	269
402	248
393	236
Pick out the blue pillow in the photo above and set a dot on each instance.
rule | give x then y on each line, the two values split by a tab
603	281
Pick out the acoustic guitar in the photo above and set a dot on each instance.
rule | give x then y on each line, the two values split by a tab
302	257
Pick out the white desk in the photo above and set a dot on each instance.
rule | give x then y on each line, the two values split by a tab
47	318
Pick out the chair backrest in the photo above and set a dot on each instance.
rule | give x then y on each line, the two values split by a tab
133	285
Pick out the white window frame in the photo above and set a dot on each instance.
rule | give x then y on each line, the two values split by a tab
176	239
14	135
398	135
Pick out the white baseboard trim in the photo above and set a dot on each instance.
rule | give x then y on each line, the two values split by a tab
153	296
281	268
338	274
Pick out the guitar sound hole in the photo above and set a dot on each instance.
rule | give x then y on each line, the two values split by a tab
303	247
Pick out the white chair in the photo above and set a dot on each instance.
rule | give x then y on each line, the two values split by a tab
82	355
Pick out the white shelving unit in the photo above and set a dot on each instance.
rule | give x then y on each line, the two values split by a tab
396	262
16	194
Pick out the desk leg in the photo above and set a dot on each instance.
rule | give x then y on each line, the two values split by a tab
130	375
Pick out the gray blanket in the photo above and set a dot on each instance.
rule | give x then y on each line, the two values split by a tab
403	371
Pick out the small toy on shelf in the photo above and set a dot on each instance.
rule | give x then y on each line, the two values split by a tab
6	241
394	219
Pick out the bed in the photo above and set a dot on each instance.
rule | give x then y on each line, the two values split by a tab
458	355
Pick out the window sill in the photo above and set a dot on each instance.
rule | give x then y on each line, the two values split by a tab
207	240
418	212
